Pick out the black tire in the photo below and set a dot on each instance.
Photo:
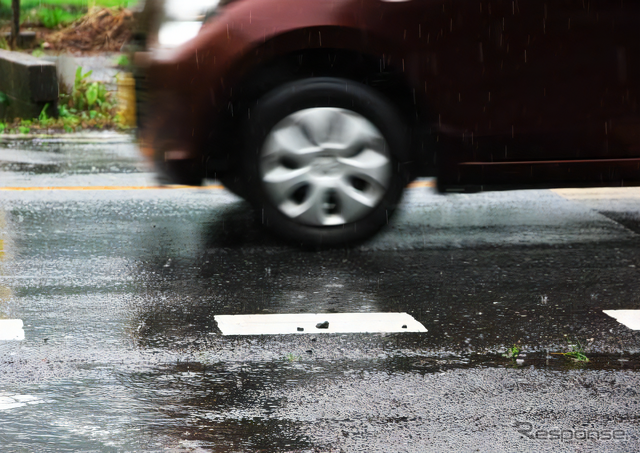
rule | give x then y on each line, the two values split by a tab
339	94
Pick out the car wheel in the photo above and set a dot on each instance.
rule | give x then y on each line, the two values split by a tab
322	162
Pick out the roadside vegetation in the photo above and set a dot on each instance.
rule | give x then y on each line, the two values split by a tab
576	351
291	357
71	26
513	352
88	106
53	17
50	18
52	13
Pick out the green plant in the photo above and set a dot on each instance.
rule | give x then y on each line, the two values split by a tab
43	114
54	17
290	357
76	4
87	105
576	351
29	8
85	96
92	93
78	92
4	45
3	126
122	61
513	352
4	99
44	119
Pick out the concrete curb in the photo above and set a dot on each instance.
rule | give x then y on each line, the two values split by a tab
29	84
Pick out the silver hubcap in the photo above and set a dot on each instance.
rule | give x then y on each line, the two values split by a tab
325	166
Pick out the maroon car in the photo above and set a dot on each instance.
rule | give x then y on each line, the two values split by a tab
319	112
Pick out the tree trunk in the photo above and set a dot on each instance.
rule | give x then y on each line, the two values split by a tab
15	23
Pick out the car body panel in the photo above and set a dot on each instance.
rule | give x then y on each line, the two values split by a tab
507	93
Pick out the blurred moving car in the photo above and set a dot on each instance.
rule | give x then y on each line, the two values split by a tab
320	111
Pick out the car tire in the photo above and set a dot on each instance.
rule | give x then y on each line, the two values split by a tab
322	161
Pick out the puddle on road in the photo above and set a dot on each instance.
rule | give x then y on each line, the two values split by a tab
310	323
249	406
538	360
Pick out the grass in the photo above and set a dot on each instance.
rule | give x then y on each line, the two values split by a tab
52	13
48	16
290	357
76	4
38	52
88	106
576	351
122	61
54	17
513	352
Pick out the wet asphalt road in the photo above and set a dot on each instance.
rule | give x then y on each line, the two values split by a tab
117	284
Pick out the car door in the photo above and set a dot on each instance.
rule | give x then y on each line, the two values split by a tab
545	92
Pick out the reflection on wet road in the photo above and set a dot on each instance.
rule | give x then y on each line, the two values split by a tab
119	292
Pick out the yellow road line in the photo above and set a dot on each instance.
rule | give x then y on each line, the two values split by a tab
413	185
599	193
